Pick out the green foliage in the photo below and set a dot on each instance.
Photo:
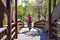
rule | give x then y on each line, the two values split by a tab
26	1
58	20
33	10
5	19
22	11
25	14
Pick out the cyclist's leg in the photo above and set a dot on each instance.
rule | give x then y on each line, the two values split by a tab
29	26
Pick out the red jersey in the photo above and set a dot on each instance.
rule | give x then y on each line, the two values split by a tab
29	18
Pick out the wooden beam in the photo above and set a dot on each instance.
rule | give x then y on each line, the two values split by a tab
3	6
50	28
1	14
9	19
54	4
16	18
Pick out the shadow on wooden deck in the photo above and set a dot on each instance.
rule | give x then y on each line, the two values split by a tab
43	35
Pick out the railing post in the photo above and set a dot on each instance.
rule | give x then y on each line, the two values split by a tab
16	18
9	19
54	3
50	31
1	14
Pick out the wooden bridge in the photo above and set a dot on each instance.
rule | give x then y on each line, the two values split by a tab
10	31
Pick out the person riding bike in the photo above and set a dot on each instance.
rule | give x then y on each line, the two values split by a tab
29	21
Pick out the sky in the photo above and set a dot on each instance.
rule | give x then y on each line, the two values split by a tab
20	2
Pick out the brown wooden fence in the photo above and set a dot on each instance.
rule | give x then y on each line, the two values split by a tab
20	23
53	25
10	32
39	24
4	32
55	31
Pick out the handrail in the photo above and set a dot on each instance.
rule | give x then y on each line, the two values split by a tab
3	33
2	29
3	6
12	23
20	23
13	29
5	30
54	33
4	37
39	24
13	35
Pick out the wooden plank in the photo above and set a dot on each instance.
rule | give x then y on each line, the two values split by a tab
2	29
13	15
3	7
1	14
13	35
54	4
55	16
56	13
50	31
4	37
20	24
54	35
12	24
13	29
2	32
16	18
9	19
4	2
54	28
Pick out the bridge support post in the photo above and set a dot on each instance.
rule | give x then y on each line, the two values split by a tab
9	19
50	28
50	18
54	3
1	16
16	18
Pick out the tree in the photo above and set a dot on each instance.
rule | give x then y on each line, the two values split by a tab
20	11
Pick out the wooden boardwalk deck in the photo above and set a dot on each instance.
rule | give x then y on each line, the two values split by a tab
34	34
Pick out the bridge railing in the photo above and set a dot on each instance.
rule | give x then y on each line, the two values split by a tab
20	23
13	30
55	31
39	24
3	33
4	30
